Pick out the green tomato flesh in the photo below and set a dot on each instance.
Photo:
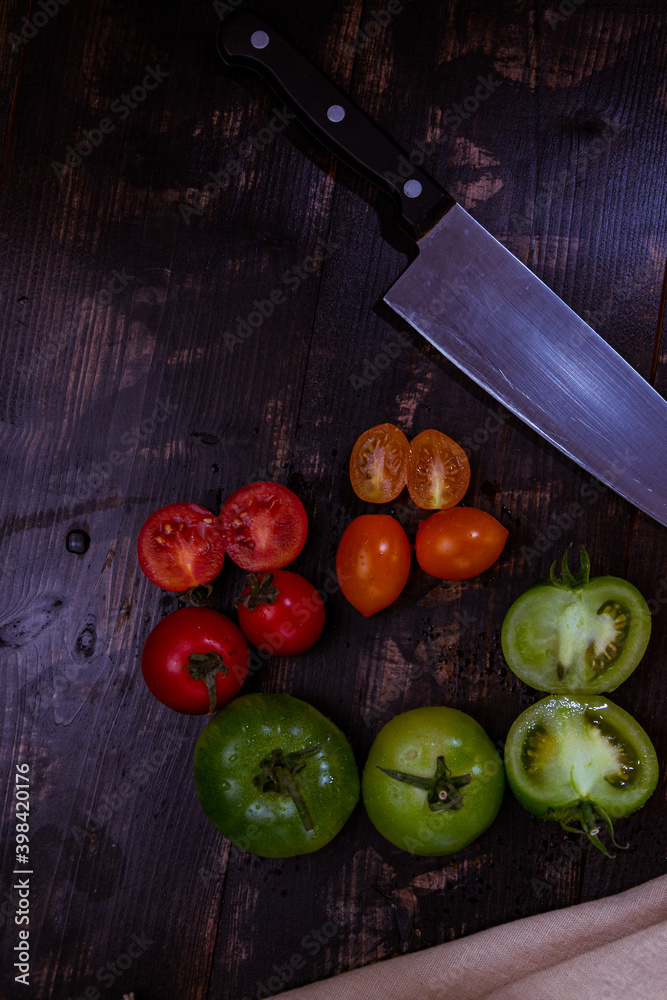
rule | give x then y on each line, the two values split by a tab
228	758
586	640
565	752
412	743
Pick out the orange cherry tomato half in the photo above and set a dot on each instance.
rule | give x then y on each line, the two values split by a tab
373	562
379	464
438	471
459	543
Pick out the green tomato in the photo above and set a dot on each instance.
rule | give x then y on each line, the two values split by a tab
433	781
570	633
275	775
580	760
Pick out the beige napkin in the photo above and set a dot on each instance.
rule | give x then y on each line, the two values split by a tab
609	949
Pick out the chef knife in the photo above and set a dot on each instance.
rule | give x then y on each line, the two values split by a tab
476	302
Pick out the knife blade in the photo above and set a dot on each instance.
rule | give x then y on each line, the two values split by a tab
476	302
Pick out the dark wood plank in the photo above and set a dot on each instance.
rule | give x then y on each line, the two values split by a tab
125	393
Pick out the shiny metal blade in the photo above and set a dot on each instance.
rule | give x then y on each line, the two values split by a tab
485	311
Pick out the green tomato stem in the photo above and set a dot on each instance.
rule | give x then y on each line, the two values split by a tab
588	815
442	788
277	774
262	591
206	667
568	580
288	782
197	597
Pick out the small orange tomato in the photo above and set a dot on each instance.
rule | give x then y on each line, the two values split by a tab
459	543
373	562
379	464
438	471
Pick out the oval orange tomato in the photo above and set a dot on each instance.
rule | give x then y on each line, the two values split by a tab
459	543
373	562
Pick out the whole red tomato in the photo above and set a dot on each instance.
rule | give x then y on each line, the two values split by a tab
459	543
195	660
373	562
281	613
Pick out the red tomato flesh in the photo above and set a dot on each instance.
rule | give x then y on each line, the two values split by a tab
264	526
181	546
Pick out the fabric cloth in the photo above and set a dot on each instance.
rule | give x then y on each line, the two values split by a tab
608	949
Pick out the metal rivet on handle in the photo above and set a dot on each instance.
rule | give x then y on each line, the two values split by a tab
412	189
259	39
335	113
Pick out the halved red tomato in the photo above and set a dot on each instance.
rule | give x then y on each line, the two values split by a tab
438	471
181	546
379	464
264	526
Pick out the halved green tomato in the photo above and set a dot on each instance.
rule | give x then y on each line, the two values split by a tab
570	633
580	760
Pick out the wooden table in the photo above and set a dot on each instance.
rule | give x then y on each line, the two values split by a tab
123	389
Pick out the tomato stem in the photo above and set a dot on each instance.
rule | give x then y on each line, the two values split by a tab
442	788
568	580
588	815
277	774
206	667
261	591
197	597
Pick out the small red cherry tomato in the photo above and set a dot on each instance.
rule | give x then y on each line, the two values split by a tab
181	546
195	660
373	562
281	613
459	543
264	526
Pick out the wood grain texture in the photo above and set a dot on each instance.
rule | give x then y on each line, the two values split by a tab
124	283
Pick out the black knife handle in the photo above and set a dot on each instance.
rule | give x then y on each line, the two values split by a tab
247	40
